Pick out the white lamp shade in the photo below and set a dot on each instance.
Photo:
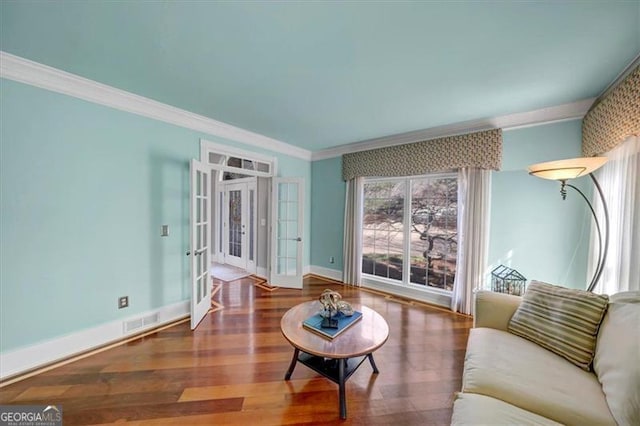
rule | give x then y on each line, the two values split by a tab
567	169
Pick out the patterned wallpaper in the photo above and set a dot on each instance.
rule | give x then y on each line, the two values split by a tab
615	118
481	150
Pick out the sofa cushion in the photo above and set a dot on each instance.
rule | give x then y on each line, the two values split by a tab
494	310
473	409
617	360
504	366
563	320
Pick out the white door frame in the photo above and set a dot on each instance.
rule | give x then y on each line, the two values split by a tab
216	156
252	226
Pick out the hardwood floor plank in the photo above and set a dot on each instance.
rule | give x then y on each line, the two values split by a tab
191	362
41	392
152	411
254	389
230	370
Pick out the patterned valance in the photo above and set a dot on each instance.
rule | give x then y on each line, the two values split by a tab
481	150
615	118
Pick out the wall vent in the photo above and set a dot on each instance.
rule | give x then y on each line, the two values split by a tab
140	323
149	319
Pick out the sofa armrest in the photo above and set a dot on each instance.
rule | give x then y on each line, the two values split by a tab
494	310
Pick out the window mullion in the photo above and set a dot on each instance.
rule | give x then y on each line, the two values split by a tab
406	226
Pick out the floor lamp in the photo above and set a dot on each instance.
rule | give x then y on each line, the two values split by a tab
563	170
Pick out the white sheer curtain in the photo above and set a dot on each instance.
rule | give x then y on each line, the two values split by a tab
352	245
620	182
474	198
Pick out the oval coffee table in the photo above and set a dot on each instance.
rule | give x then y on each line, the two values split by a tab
339	358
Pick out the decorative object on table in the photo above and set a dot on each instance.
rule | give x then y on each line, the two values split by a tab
563	170
315	324
507	280
332	305
345	308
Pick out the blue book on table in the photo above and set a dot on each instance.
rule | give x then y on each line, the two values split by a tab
344	322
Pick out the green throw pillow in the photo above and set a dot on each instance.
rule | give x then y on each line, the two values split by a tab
562	320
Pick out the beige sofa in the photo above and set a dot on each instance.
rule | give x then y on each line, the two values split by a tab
511	380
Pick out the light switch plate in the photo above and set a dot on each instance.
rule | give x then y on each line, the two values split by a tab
164	232
123	302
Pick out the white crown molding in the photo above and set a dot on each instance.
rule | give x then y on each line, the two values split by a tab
565	112
35	74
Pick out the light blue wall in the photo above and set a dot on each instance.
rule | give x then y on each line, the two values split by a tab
327	212
84	191
532	229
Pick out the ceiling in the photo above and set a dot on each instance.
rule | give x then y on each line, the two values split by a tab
318	75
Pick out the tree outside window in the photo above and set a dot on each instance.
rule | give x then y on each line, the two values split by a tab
429	226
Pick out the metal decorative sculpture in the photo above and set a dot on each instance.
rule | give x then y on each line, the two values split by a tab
332	305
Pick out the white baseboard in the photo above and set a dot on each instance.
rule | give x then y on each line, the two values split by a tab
262	273
28	358
333	274
433	297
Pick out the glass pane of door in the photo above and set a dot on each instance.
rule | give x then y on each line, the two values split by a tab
235	223
287	229
251	223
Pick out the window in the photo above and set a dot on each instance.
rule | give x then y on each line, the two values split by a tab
409	230
236	167
383	229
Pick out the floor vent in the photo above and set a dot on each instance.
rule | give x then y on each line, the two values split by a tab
139	323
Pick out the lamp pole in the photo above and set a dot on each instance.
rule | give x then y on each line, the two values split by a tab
602	249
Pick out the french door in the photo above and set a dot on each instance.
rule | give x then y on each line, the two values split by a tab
239	218
286	249
199	246
235	219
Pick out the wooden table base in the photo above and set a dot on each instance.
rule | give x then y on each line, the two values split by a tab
338	370
335	359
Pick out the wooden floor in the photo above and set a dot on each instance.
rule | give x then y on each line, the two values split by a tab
230	370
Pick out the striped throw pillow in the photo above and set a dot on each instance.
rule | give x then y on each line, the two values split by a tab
562	320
